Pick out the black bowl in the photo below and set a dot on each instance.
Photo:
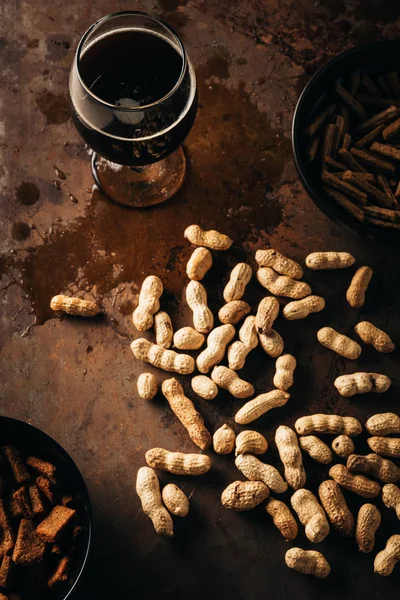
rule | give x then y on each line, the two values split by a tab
369	58
29	438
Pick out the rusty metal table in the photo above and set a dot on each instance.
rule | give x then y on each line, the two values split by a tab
76	379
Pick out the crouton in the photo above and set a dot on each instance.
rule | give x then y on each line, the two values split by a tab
15	510
77	532
67	501
6	532
53	525
29	548
45	487
6	571
18	468
62	572
22	503
43	467
56	549
36	502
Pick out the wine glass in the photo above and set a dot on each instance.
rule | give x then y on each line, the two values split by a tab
134	101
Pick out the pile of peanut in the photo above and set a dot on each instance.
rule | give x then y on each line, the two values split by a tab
281	276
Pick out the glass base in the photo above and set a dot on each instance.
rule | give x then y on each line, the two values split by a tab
142	186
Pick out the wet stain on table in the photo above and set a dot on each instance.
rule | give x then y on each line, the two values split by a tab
54	107
27	193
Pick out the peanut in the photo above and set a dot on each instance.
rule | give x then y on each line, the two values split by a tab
386	560
198	264
234	311
159	357
343	446
74	306
148	490
248	340
311	515
272	343
355	483
339	343
147	386
204	387
361	383
290	455
244	495
210	239
224	440
196	297
267	312
229	380
368	521
279	263
300	309
391	497
283	519
217	342
250	442
308	562
255	470
329	424
253	409
149	303
188	338
319	261
355	295
175	500
281	285
336	507
316	449
375	466
385	445
383	424
236	286
285	366
370	334
186	412
163	329
178	463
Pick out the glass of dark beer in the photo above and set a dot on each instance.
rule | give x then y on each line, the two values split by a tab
134	101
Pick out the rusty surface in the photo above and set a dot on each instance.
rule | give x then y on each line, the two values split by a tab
76	379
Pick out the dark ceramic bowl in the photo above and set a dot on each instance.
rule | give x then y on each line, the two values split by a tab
33	440
369	58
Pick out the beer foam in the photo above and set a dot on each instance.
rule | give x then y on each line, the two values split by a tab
128	117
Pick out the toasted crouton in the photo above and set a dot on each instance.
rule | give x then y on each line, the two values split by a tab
62	572
54	524
29	548
15	510
6	532
6	571
22	503
67	501
57	549
36	502
43	467
18	468
45	487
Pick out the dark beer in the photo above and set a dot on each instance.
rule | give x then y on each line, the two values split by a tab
133	68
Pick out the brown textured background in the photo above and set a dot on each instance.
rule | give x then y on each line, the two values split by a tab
76	379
